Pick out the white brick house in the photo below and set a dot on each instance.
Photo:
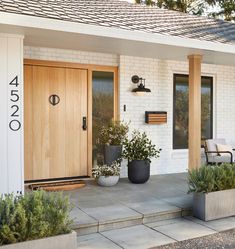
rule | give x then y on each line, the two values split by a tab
85	38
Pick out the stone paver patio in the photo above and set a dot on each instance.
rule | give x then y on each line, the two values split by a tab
98	209
138	216
155	234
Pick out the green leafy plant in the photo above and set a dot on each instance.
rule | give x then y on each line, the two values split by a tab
114	134
208	179
140	147
107	170
33	216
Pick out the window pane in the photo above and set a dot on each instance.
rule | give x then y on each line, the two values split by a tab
207	111
181	113
102	107
180	127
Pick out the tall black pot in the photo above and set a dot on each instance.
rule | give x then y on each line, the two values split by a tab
138	171
112	153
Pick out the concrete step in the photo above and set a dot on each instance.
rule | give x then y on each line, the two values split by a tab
111	224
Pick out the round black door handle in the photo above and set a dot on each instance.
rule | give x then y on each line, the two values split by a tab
54	99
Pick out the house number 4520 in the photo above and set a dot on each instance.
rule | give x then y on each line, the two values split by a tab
14	123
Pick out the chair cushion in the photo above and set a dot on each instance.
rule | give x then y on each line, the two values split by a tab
224	147
219	159
211	145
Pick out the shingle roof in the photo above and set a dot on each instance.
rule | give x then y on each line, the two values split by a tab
124	15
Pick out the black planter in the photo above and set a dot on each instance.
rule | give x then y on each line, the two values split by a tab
138	171
112	153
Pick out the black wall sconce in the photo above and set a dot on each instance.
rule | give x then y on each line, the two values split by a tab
140	89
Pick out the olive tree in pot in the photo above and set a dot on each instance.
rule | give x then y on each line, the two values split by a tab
112	137
138	151
107	175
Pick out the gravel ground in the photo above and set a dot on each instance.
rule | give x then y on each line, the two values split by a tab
223	240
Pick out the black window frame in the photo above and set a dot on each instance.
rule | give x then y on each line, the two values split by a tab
174	101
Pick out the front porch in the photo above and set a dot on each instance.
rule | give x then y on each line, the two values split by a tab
157	60
98	209
141	216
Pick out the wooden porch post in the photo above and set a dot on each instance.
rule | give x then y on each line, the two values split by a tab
194	140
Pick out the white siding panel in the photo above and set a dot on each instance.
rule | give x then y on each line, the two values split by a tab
4	115
15	137
11	142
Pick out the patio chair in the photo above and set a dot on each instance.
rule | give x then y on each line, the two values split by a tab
215	156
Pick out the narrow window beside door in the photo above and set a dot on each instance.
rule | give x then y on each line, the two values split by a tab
180	110
102	108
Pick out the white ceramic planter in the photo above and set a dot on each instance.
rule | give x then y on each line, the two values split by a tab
107	181
214	205
65	241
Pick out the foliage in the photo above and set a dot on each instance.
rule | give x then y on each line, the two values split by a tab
224	9
208	179
181	113
195	7
114	134
140	147
107	170
102	109
33	216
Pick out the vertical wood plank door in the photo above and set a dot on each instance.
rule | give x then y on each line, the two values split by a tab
55	141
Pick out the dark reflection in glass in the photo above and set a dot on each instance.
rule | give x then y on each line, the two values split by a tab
102	108
180	127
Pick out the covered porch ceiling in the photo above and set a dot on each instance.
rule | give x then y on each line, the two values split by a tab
42	32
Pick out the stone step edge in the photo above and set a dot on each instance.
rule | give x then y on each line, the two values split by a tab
84	229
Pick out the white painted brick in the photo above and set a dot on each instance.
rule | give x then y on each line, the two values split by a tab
159	78
70	56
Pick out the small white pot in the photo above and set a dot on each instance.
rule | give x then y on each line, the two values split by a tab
107	181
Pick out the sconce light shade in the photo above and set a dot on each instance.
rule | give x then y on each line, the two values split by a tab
140	89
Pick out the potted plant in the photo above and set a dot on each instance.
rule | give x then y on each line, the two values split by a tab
107	175
213	189
138	151
112	137
36	220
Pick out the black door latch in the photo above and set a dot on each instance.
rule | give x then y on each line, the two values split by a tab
84	123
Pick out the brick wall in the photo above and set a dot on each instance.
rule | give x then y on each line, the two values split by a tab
159	78
70	56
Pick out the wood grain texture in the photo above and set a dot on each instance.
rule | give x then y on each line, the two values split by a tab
89	124
69	69
156	118
69	65
194	160
76	109
55	145
28	120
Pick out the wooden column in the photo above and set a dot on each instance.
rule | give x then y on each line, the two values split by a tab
194	111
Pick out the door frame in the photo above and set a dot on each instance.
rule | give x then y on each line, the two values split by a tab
90	68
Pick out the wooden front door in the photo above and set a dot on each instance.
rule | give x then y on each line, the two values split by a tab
55	106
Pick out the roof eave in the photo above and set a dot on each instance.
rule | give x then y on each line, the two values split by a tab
87	29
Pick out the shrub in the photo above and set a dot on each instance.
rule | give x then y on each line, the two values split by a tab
33	216
107	170
212	178
114	134
140	147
